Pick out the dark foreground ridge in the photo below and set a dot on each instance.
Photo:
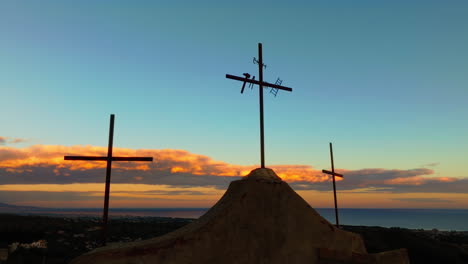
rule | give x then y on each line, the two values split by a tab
69	237
259	219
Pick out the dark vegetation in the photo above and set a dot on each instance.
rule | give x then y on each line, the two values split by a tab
423	246
69	237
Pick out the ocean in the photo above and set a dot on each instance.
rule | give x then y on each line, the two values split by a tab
428	219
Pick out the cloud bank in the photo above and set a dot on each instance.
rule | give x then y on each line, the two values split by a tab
44	164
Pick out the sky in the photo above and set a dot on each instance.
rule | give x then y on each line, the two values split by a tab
385	81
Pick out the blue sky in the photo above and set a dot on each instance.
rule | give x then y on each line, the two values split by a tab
385	81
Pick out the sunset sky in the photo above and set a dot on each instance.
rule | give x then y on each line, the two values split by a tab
385	81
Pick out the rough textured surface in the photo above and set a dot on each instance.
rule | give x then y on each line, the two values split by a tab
260	219
391	257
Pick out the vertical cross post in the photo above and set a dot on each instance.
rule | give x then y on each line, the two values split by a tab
334	186
109	158
333	174
260	96
261	84
108	178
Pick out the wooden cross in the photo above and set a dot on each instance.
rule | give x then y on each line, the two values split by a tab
333	173
109	158
261	85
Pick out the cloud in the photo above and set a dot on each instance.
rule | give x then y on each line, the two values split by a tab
122	195
77	190
18	196
433	164
5	140
423	200
384	180
44	164
17	140
28	163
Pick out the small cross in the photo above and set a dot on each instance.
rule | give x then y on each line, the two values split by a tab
333	173
109	158
261	85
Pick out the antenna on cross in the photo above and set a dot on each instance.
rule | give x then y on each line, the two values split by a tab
274	91
261	84
255	61
251	84
247	76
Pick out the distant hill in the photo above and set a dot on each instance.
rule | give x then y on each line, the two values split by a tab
17	209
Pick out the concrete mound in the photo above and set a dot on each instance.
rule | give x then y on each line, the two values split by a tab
260	220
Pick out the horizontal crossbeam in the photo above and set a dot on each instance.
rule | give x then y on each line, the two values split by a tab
331	173
106	158
265	84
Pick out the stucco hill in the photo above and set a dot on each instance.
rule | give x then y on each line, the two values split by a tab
260	219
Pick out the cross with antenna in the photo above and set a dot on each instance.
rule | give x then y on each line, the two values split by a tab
109	158
275	87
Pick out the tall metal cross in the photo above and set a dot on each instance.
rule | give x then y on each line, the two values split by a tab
261	85
333	174
109	158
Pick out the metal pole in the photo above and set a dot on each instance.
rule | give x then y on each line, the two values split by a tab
108	178
260	89
334	186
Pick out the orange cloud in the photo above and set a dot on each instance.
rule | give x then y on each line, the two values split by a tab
175	161
99	187
38	175
418	180
45	164
406	181
446	179
299	173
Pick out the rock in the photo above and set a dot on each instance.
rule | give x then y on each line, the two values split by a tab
259	219
391	257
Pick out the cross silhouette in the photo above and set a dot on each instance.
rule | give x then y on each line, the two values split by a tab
333	174
109	158
261	85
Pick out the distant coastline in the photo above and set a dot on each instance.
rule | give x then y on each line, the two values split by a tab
427	219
